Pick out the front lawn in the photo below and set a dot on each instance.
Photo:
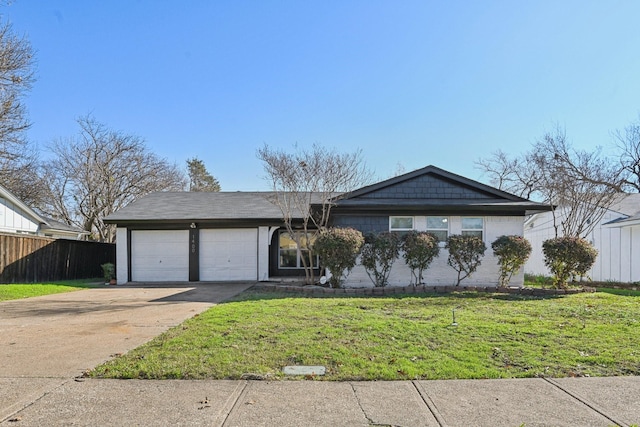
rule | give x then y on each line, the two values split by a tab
399	337
28	290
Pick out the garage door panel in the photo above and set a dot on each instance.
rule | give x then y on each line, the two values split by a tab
159	255
229	254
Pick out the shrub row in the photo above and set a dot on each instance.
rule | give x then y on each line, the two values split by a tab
339	248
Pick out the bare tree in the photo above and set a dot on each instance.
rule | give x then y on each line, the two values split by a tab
304	184
581	184
18	159
628	144
21	174
515	175
101	171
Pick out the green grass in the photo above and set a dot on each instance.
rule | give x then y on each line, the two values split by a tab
399	337
28	290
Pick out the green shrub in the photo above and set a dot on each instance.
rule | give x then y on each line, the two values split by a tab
420	249
338	249
512	253
108	271
568	257
465	254
378	255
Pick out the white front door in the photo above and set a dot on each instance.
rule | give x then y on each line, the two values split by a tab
229	254
159	255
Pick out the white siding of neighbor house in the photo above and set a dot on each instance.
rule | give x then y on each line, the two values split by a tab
439	272
15	220
618	248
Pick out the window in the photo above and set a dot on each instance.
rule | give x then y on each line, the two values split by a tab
288	254
439	226
472	227
400	223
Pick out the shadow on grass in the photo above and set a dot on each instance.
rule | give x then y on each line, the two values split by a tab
257	294
620	292
78	283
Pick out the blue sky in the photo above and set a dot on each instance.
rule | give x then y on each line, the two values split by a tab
409	82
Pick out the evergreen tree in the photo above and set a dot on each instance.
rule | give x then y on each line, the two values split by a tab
199	178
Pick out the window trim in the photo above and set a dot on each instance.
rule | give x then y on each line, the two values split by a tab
413	222
441	243
481	230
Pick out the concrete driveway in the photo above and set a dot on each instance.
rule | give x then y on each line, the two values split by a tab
63	335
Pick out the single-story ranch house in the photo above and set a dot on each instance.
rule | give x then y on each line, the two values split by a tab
196	236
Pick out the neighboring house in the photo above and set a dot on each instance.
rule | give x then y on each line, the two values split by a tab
18	218
193	236
616	237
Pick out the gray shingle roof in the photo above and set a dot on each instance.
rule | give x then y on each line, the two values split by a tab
194	206
52	224
253	206
627	204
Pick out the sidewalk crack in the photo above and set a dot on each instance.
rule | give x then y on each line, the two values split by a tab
21	406
430	404
584	401
355	394
236	396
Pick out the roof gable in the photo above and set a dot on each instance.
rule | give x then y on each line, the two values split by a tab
430	183
20	206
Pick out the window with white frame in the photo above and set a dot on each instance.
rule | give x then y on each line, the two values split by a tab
400	223
438	226
472	227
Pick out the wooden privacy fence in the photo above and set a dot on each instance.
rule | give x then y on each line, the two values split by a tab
31	259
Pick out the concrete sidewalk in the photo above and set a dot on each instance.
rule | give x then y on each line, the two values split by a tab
528	402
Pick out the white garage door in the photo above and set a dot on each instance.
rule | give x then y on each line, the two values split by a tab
159	255
229	254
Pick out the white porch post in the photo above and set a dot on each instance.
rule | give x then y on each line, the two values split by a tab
122	258
263	254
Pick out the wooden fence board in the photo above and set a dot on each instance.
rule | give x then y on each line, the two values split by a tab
31	259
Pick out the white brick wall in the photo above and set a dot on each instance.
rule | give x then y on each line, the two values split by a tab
439	272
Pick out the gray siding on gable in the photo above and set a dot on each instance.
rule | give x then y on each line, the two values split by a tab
364	223
426	187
